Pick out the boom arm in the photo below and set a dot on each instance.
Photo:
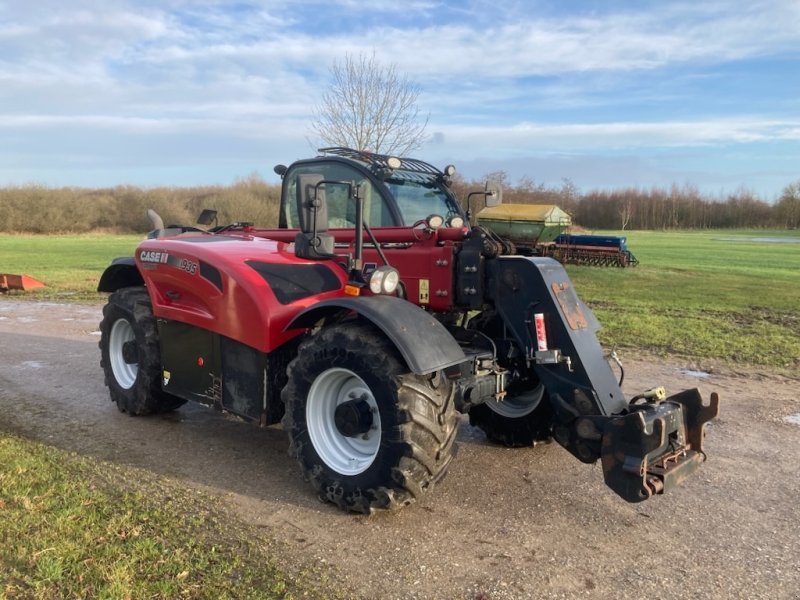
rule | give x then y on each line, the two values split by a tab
645	448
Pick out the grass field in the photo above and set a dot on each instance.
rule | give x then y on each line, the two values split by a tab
71	527
70	265
708	295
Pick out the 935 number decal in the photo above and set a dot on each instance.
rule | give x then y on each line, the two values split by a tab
187	265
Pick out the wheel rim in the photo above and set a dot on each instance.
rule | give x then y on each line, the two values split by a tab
124	372
518	406
345	455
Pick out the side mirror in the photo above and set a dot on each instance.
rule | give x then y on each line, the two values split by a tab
313	242
312	207
494	193
207	217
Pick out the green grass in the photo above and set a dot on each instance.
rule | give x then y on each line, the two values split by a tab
75	528
711	295
694	294
70	265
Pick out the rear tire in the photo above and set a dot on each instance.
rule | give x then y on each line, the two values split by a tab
394	441
513	424
130	354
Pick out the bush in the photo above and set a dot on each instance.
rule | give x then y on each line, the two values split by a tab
122	209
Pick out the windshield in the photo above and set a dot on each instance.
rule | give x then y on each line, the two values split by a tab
417	200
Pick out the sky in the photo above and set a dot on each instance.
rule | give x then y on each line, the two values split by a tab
606	94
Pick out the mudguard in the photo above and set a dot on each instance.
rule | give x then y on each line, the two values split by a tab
425	344
122	272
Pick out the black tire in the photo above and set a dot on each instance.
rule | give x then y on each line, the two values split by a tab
404	454
130	354
514	431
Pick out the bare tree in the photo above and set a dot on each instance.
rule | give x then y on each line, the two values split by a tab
788	206
369	106
625	208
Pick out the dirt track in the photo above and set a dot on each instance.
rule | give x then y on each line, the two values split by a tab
531	523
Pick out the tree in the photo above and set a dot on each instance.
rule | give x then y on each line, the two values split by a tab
788	206
370	107
625	208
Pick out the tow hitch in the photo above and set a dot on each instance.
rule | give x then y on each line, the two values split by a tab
657	445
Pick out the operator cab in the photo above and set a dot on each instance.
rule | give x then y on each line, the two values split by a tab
395	192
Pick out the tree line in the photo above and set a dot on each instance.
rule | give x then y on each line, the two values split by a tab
122	209
676	207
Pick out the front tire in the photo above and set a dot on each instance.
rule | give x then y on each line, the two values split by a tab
130	354
367	433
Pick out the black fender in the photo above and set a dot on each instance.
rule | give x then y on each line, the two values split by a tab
424	342
122	272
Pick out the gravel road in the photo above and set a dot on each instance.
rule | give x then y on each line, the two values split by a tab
530	523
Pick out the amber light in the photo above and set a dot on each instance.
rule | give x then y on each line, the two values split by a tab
352	290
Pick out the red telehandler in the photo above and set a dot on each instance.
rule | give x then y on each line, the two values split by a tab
366	322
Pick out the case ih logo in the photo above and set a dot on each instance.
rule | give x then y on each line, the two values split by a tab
151	256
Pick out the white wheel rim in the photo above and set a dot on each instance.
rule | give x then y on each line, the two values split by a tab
125	373
345	455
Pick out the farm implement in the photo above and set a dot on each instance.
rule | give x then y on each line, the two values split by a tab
538	230
9	281
366	322
595	250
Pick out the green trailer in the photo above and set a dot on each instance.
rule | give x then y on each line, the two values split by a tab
526	224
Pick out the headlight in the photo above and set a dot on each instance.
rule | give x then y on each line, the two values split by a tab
384	280
456	221
434	221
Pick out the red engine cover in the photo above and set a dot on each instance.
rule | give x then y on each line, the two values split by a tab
222	283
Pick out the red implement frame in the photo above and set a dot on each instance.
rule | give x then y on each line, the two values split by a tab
18	282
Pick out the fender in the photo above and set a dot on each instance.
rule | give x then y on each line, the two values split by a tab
424	342
122	272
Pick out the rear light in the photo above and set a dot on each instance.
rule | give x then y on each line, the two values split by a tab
541	332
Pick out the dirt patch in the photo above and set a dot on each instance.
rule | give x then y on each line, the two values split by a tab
526	523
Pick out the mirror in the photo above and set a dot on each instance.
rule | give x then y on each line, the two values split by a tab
494	193
312	207
207	217
313	241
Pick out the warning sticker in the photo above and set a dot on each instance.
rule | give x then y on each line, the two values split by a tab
424	291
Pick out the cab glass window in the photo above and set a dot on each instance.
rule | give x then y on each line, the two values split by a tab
341	207
417	200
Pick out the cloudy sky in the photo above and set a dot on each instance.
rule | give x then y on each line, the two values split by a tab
607	94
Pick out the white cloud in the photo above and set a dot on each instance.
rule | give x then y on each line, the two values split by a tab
524	138
254	71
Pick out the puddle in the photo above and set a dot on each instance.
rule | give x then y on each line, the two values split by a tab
763	240
793	419
31	364
695	374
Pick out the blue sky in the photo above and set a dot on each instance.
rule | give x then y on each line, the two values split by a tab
607	94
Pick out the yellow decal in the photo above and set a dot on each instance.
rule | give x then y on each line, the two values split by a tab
424	291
